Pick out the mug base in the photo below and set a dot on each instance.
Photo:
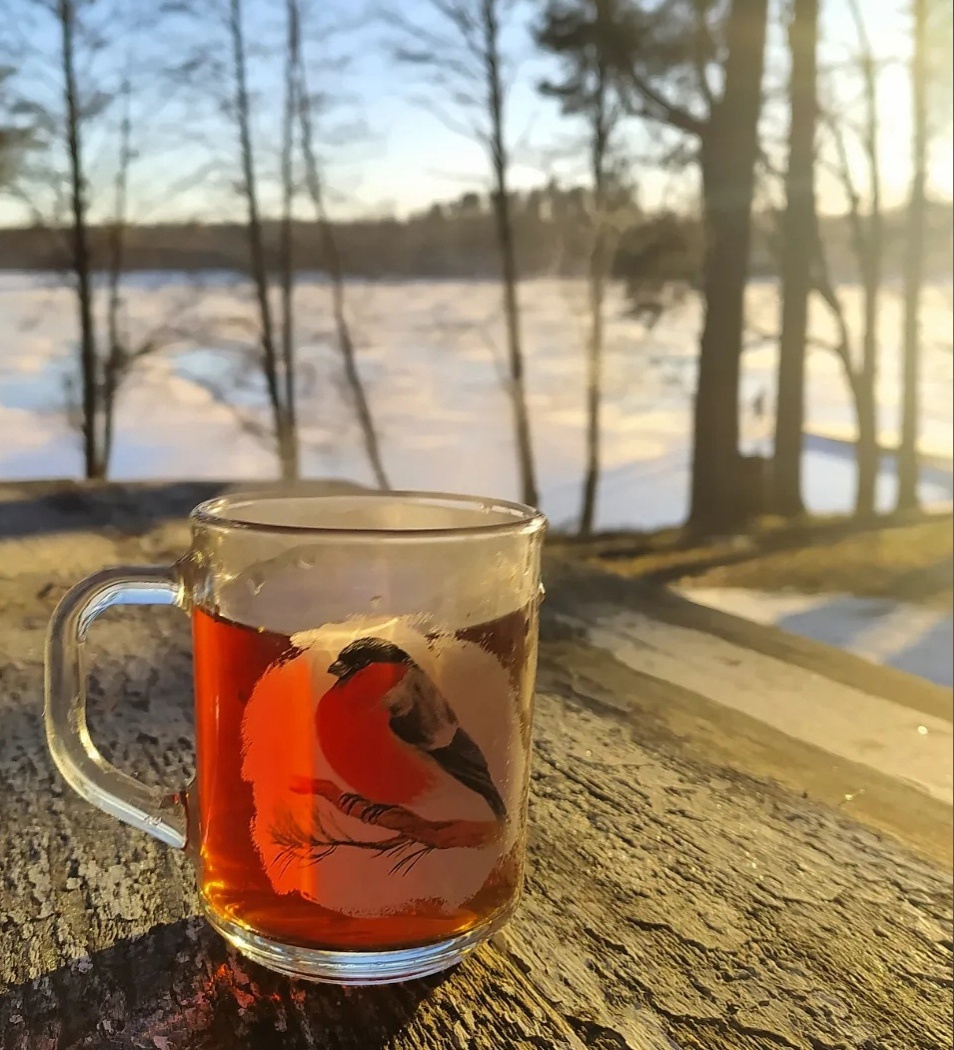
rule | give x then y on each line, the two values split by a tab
353	967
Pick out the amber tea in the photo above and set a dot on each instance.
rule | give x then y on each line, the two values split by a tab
362	793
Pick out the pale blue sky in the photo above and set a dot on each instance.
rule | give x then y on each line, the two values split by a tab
402	157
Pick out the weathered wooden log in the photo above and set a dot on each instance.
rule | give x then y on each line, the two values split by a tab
697	877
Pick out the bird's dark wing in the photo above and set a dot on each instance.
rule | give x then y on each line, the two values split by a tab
463	759
421	717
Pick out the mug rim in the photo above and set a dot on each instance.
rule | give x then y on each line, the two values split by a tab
214	513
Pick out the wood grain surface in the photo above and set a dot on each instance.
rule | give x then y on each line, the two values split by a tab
693	882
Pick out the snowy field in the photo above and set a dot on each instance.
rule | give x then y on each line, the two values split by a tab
912	638
432	357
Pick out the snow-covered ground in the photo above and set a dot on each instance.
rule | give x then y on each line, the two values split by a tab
432	356
901	741
913	638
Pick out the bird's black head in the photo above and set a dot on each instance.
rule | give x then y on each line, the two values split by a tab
366	651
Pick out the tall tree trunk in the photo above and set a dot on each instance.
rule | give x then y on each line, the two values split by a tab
116	357
729	153
908	468
257	262
286	242
508	263
872	264
594	387
81	260
596	289
335	271
797	252
868	449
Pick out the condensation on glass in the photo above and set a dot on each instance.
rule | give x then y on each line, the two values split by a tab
364	670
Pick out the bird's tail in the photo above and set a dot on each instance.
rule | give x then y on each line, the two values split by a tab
465	762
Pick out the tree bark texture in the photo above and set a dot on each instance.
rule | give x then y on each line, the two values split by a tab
508	259
798	250
675	896
871	262
598	267
729	152
81	257
285	437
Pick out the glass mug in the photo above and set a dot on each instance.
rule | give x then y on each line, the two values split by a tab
364	670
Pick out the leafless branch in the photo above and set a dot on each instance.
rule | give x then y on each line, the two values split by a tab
703	46
246	421
116	353
438	834
465	55
655	106
844	172
333	262
823	285
286	438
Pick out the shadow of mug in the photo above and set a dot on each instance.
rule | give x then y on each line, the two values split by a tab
179	986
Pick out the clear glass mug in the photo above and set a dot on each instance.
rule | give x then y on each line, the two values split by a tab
364	670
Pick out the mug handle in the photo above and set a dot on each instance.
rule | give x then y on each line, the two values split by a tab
76	756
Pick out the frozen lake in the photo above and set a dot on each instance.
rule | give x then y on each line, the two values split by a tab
432	357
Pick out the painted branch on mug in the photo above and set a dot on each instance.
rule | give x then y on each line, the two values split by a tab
437	834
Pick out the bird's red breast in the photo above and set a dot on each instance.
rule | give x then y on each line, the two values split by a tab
355	735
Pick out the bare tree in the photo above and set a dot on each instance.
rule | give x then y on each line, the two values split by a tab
82	263
117	359
273	264
286	247
463	53
581	35
824	286
797	253
914	264
869	241
283	413
866	225
695	67
124	349
729	153
64	172
332	255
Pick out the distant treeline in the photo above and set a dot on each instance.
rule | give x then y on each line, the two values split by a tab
457	239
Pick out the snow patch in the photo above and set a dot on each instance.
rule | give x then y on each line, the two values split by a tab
912	638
